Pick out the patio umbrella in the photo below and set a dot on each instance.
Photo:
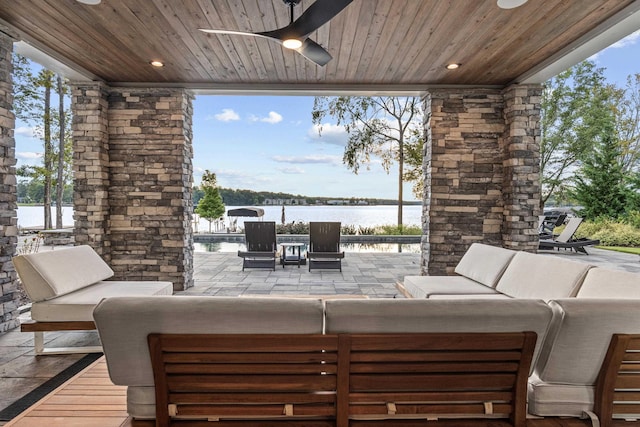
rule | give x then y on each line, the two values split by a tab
283	217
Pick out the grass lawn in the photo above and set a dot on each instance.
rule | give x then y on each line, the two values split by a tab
621	249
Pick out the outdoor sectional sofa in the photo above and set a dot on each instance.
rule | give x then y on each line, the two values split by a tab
590	304
250	361
202	365
65	285
582	317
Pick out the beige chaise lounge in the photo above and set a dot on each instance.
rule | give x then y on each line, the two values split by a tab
65	285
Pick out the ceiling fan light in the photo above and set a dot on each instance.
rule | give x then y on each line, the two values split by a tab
157	63
292	43
510	4
452	66
89	2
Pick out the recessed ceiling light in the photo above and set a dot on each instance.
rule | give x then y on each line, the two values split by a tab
156	63
510	4
89	2
452	66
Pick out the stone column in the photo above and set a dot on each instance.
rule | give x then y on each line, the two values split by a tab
91	166
521	186
481	166
8	203
151	175
464	175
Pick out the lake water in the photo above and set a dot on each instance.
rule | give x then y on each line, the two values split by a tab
366	216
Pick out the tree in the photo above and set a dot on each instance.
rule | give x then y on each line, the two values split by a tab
60	181
571	120
600	185
627	111
377	126
32	104
210	206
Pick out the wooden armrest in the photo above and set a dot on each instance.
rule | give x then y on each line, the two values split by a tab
76	325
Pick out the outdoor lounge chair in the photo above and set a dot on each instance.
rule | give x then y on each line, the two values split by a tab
567	241
548	224
324	246
260	239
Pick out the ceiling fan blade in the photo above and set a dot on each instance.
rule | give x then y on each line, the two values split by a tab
314	52
236	33
316	15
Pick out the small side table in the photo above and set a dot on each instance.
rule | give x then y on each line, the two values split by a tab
295	258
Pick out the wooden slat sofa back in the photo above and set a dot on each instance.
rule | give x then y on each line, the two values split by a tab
340	379
618	385
253	377
439	376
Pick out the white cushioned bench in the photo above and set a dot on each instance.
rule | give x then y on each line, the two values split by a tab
491	272
65	285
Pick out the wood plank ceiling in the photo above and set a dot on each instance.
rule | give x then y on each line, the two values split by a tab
373	42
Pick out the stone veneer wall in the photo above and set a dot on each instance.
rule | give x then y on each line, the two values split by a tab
132	180
151	175
521	186
8	202
91	166
481	170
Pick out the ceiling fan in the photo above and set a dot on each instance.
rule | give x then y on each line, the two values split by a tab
295	35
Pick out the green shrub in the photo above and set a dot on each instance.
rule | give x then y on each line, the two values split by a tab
348	229
632	218
293	228
393	230
610	233
366	231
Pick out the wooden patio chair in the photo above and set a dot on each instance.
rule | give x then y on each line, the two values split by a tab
324	246
260	239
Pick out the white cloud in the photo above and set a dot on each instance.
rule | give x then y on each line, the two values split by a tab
311	159
272	118
631	39
28	155
291	170
232	178
331	134
28	132
227	115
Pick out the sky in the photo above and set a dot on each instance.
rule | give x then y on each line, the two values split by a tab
268	143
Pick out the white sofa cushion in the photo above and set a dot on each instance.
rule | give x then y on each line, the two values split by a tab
572	354
542	277
608	283
141	402
579	337
484	263
429	286
46	275
413	315
559	400
496	295
124	323
79	305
